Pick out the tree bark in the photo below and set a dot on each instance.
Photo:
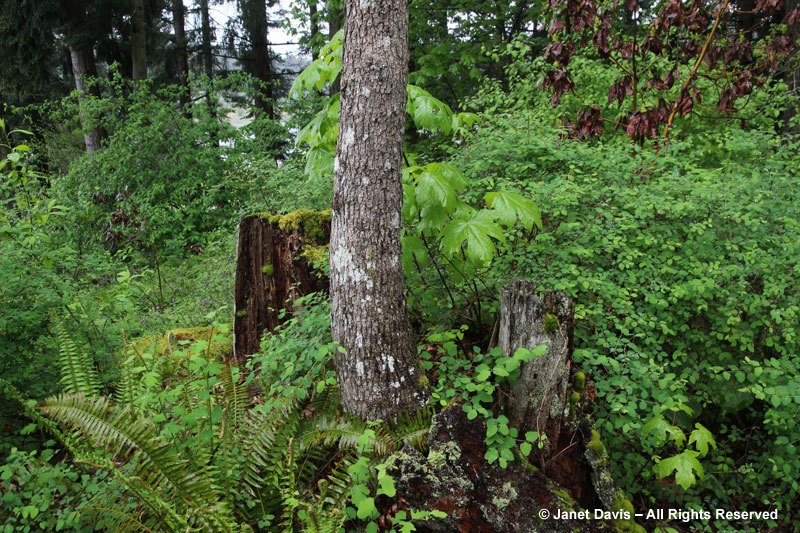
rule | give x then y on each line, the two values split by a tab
138	41
255	19
538	399
273	269
314	28
182	56
791	70
378	374
83	68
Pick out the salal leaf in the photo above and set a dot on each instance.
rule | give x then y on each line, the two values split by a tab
511	207
476	232
684	465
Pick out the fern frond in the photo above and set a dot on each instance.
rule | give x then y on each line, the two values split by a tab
76	366
413	428
234	395
343	431
122	521
266	435
153	461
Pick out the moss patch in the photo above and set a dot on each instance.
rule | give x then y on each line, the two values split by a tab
182	339
622	503
314	254
550	323
309	223
596	445
579	381
267	270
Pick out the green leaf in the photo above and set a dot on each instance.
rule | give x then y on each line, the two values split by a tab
491	455
365	508
525	448
476	232
438	184
427	112
702	437
684	465
413	249
511	207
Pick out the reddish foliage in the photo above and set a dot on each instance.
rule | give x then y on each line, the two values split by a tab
681	32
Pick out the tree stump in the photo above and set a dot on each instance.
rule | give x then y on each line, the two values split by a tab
538	400
275	259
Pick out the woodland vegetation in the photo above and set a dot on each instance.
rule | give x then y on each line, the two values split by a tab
641	157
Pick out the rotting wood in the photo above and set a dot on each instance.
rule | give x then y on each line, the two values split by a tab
274	267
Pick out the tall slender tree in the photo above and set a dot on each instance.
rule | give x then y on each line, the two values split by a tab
138	40
378	373
255	21
84	68
182	53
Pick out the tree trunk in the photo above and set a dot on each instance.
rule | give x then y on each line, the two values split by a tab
538	399
138	41
791	70
314	28
205	31
83	68
255	19
335	17
378	374
182	56
274	259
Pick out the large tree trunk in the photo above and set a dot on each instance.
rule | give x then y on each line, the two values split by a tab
274	267
83	68
378	374
538	399
181	56
138	41
255	19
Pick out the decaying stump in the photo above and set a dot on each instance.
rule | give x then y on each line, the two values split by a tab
274	266
569	477
456	479
539	397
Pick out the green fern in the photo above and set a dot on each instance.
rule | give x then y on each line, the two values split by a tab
76	367
153	461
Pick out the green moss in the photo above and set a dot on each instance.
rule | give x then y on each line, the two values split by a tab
314	254
596	445
242	313
267	270
550	323
309	223
622	503
566	501
181	340
574	397
579	381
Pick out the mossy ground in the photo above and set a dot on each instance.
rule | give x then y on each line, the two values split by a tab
181	340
